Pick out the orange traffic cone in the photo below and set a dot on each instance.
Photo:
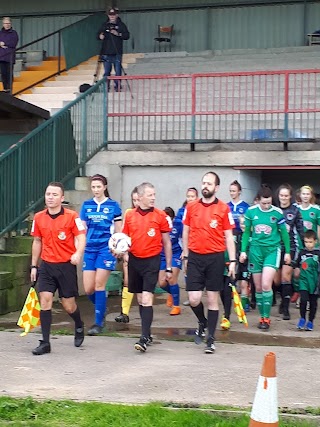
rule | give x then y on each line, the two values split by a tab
264	411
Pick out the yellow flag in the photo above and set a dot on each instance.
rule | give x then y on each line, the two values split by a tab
30	314
238	308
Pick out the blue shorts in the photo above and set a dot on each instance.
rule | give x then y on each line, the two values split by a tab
101	259
176	261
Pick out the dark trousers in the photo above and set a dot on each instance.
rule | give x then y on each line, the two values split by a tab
6	69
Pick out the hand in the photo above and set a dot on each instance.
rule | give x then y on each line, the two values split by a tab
185	266
33	274
101	36
2	44
232	270
75	258
114	32
287	259
243	257
168	276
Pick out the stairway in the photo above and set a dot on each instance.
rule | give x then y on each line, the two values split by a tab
33	74
14	273
58	91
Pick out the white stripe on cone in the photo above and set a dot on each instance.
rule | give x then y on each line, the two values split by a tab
265	404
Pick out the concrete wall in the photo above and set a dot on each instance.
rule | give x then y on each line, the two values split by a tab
126	170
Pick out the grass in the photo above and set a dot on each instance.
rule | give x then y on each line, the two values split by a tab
29	412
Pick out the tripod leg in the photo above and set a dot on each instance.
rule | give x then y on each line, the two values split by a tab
128	85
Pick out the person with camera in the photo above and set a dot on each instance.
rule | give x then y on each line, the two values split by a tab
112	33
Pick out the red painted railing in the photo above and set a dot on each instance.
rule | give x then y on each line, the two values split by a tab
242	106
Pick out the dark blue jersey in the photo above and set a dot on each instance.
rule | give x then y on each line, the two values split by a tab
99	218
181	213
237	209
175	236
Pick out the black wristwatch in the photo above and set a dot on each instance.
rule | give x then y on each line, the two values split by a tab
168	270
33	266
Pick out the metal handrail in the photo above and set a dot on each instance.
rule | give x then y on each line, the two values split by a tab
77	109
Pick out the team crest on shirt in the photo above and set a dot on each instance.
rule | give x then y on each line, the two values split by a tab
273	219
62	235
241	210
213	223
312	214
289	217
105	210
89	210
151	232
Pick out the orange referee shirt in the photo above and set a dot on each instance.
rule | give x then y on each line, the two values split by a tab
207	224
57	235
145	228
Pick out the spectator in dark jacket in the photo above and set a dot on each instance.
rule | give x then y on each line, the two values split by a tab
112	33
8	42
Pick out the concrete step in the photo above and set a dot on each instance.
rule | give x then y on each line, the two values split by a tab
68	82
77	197
54	90
38	97
19	244
5	280
17	264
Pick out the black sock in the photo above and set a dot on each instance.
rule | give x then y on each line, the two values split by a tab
286	293
76	317
199	312
140	310
304	298
313	307
212	322
46	320
146	320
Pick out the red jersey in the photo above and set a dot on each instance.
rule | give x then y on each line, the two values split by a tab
207	223
145	230
57	234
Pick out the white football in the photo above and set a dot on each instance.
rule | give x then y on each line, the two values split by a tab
119	243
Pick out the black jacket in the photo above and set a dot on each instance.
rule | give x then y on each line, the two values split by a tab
112	45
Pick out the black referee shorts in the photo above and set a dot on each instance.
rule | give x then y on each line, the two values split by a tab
143	273
205	271
60	276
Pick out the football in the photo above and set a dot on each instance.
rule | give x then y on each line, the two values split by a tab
119	243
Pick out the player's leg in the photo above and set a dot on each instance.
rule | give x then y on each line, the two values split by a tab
304	298
214	283
174	286
195	286
68	291
46	289
226	298
163	281
126	297
313	310
270	266
286	289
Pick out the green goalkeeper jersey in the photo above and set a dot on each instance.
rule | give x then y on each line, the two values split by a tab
266	228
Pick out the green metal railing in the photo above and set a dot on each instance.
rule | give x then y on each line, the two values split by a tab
55	151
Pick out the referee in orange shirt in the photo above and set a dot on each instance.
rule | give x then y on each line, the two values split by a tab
207	233
149	229
55	231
